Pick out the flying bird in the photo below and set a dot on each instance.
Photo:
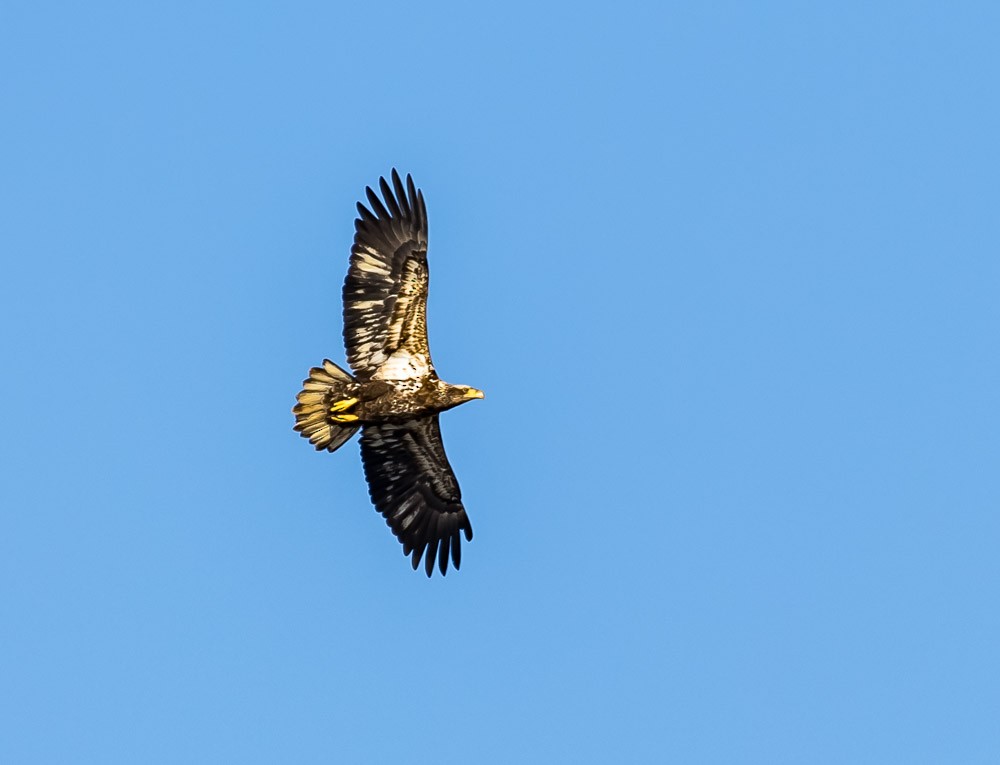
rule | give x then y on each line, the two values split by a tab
395	395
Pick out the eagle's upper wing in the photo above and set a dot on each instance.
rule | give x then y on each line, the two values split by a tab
413	486
385	294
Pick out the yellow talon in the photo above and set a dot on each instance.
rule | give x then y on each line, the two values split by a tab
344	417
340	406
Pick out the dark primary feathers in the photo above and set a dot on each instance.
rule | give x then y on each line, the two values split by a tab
385	294
413	486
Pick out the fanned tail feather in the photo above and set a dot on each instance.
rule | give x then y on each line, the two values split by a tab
324	385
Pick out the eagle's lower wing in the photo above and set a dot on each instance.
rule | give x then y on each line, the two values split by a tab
385	294
413	486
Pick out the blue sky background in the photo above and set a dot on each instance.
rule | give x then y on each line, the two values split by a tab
728	273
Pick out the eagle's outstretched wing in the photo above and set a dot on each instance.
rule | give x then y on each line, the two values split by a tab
385	294
413	486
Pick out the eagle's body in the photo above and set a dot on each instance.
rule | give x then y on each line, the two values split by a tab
395	394
394	400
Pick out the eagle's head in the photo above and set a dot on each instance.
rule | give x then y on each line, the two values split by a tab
470	393
459	394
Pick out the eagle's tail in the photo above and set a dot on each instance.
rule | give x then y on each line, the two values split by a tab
325	386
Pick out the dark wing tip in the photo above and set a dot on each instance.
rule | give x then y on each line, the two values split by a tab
436	553
431	556
397	204
421	210
376	204
411	193
365	216
443	554
390	198
400	192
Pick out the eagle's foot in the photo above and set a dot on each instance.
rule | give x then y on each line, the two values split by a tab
344	417
338	410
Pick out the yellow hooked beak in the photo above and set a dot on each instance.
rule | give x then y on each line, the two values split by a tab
473	393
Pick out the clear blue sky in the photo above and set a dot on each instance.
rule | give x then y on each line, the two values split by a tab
727	272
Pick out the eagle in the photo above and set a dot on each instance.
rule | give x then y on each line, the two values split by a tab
395	395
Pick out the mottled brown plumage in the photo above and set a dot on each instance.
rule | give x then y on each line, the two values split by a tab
395	394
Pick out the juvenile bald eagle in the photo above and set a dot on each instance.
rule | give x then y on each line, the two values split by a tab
394	395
